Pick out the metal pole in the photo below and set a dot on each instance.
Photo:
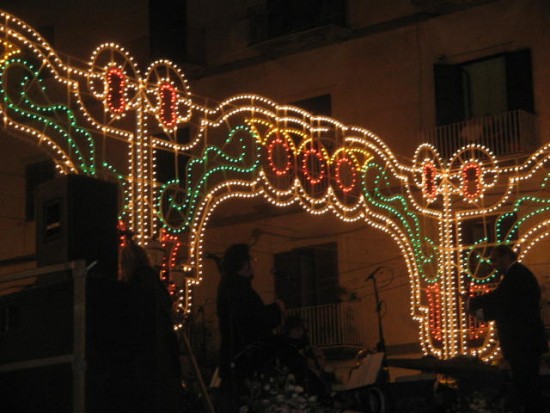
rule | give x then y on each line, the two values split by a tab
381	345
206	397
79	336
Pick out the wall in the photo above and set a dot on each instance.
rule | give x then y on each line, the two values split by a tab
384	82
81	26
361	250
17	234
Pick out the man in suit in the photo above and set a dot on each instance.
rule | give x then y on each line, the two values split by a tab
245	324
515	307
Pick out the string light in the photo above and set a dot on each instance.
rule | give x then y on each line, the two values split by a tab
116	90
429	185
340	163
434	303
168	104
471	181
274	144
278	153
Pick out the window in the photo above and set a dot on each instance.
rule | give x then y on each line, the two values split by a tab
168	30
318	105
307	276
493	229
483	87
278	18
36	174
169	166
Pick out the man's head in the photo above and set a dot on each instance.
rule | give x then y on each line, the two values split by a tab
502	257
237	260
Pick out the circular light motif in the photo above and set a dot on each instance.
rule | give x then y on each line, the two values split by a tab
471	181
116	90
275	149
429	186
312	157
168	98
346	187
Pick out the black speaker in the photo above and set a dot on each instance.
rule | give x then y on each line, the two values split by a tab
36	332
76	219
37	343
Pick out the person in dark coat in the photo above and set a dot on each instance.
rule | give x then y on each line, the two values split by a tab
158	367
245	324
515	307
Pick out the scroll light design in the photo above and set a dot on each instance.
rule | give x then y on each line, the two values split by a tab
108	120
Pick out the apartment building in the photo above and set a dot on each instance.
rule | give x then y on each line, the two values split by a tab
453	74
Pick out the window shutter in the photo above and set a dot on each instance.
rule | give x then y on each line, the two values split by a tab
326	270
519	81
449	97
36	174
318	105
288	285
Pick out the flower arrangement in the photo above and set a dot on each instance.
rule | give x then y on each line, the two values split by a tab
484	401
278	392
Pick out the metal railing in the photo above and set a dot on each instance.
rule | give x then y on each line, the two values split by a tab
508	133
332	324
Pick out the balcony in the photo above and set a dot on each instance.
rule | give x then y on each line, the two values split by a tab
507	134
446	6
275	25
333	325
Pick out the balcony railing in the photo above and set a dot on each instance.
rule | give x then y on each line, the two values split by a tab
506	134
332	324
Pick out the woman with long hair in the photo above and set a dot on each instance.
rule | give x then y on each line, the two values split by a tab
159	366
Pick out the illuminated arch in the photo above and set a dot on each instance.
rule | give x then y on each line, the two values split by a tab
279	153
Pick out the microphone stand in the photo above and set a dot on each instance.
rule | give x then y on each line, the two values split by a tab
203	389
384	376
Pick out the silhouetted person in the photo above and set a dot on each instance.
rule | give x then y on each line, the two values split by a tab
515	307
245	324
159	371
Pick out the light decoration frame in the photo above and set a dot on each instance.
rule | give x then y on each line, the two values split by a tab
353	165
429	177
471	168
272	141
257	148
115	72
169	117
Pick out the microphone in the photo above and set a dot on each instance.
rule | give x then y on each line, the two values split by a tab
372	274
209	255
254	236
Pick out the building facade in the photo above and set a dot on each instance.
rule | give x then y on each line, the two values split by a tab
448	73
